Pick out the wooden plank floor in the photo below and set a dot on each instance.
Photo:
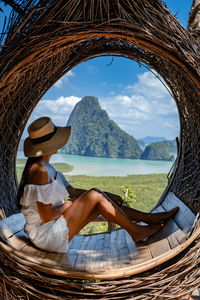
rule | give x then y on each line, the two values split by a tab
102	253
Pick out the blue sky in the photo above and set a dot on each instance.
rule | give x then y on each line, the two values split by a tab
132	96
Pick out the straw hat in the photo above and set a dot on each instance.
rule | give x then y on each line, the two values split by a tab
45	137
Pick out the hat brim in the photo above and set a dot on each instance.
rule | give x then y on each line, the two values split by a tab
56	142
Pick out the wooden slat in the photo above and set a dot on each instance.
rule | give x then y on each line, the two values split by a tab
57	260
171	231
54	260
131	246
138	252
184	217
33	253
76	242
144	253
22	235
99	248
18	241
159	243
113	251
99	242
90	262
80	261
71	257
158	246
107	240
67	260
11	225
122	249
107	251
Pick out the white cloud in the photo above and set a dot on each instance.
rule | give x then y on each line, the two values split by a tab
144	108
59	84
149	86
125	100
58	110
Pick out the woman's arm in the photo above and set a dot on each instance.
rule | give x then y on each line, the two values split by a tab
75	193
48	213
115	198
38	175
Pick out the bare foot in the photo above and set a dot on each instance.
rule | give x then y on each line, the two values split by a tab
157	218
146	232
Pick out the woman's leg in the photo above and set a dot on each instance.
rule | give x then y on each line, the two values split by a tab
149	218
91	204
139	216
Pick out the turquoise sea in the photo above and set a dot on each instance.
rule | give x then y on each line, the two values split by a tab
98	166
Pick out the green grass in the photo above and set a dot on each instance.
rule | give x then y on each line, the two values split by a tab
62	167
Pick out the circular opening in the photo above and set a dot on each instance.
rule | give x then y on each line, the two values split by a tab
139	102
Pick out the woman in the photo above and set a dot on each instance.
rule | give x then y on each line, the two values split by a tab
50	222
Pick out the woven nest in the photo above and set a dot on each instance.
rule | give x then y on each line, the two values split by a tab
45	39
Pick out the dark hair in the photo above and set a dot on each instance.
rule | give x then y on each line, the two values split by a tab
30	161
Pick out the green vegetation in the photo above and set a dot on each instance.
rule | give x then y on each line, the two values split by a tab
94	134
156	151
19	172
63	167
128	195
171	145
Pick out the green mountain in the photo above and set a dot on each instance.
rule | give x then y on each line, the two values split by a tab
156	151
94	134
171	145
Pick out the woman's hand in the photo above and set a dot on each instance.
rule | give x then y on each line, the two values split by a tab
48	213
74	193
118	200
115	198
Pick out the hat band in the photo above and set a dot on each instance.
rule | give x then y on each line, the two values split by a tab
44	138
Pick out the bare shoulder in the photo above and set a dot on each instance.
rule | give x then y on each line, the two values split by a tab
38	174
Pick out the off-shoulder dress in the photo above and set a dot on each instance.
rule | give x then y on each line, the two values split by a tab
51	236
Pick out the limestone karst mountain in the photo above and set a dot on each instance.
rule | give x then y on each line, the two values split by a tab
95	134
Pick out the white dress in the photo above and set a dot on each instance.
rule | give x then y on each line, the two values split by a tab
51	236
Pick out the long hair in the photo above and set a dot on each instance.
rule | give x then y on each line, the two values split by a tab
30	161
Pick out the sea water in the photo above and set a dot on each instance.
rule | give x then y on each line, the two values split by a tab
99	166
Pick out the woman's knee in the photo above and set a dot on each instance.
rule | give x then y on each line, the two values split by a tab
93	194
